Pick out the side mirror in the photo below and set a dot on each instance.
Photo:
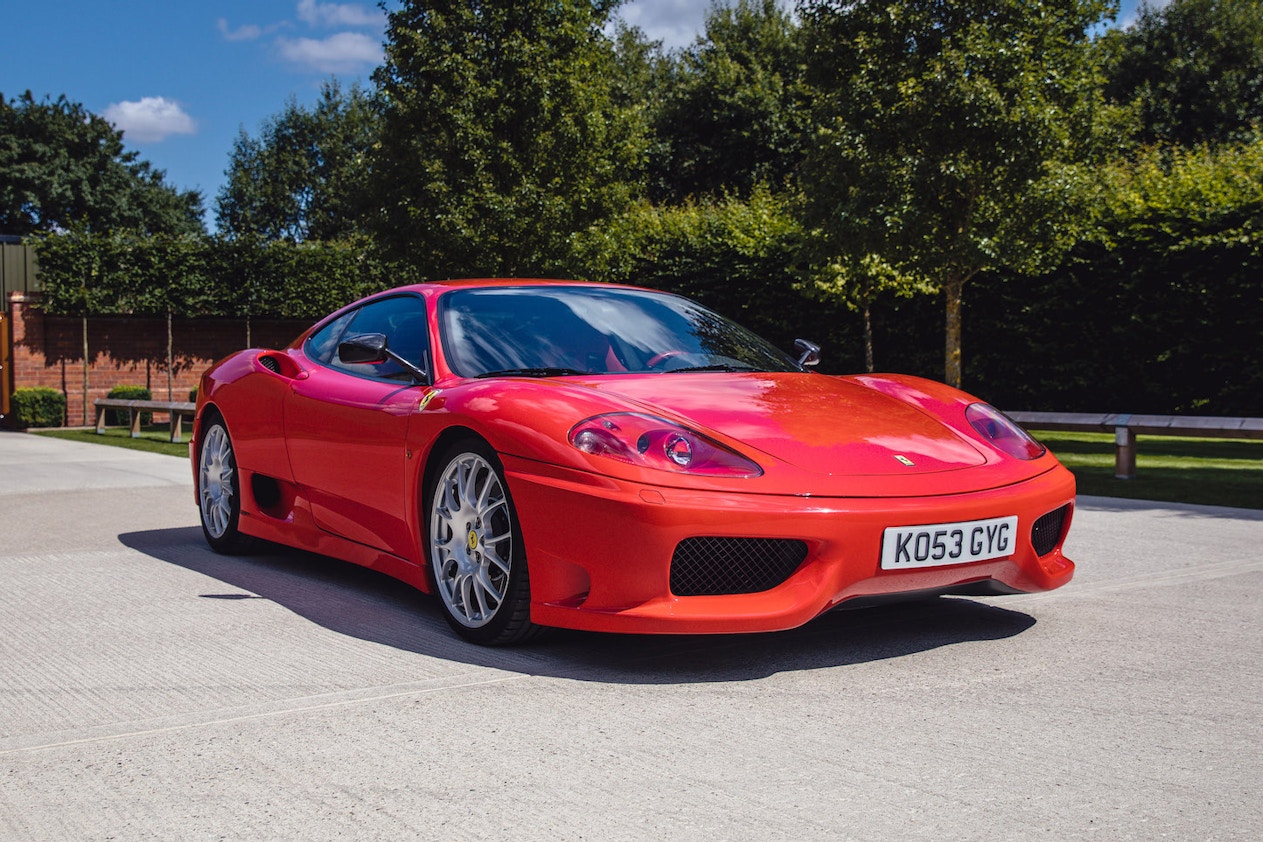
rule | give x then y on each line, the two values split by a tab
809	351
371	349
367	348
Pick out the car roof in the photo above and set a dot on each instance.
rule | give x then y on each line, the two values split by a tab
465	283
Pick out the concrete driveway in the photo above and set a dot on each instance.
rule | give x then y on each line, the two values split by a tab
150	689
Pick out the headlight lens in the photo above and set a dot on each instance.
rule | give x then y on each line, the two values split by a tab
651	442
995	427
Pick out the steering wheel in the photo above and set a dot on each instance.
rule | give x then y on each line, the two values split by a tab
659	359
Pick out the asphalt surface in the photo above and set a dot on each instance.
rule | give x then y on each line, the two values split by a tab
150	689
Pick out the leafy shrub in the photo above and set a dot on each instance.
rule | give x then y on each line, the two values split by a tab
39	407
121	417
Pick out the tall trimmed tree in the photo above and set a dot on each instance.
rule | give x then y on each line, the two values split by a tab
948	133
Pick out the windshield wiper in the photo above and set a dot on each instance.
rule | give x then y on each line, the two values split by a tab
531	372
717	367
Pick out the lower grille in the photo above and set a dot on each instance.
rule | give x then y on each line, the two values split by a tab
716	566
1047	530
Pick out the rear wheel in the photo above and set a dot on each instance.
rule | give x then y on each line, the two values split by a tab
475	548
219	490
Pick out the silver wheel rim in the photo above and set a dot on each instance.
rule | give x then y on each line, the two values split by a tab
215	476
471	540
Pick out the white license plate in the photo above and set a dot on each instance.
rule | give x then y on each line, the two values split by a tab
941	544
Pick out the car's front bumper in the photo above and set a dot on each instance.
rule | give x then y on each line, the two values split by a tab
600	550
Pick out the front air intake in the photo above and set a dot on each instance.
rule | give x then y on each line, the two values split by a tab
1047	530
718	566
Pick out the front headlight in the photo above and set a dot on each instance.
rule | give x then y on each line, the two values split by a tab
1000	432
650	442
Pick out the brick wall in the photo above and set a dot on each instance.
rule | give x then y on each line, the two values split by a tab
125	350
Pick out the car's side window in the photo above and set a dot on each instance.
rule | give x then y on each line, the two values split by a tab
401	319
323	344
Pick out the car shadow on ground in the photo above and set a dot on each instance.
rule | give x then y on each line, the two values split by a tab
361	603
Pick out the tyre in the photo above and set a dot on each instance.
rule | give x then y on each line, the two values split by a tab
477	560
219	490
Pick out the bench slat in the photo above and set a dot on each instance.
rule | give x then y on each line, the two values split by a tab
162	406
176	412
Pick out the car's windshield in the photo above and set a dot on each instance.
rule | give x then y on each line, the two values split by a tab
557	330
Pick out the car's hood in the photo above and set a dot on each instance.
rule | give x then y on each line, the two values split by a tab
824	425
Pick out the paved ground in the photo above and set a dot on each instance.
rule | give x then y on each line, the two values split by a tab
150	689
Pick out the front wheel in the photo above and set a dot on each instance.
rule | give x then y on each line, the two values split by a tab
219	490
475	548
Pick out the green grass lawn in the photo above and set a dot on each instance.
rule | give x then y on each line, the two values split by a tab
1214	472
154	438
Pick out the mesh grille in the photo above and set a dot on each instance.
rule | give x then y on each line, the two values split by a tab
270	364
1047	531
714	566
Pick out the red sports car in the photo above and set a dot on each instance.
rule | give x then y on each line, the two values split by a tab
609	458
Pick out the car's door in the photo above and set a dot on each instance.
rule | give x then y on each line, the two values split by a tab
347	424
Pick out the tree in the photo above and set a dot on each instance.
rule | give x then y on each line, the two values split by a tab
501	134
857	281
62	166
948	133
1193	69
641	68
304	177
643	72
733	113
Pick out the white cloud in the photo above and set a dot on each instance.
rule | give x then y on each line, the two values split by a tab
676	23
153	118
338	14
344	52
248	32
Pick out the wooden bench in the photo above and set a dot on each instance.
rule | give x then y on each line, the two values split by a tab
1126	427
176	412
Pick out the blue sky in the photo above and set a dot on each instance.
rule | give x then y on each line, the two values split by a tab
183	78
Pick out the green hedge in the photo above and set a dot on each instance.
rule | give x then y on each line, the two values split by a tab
1159	310
123	273
39	407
